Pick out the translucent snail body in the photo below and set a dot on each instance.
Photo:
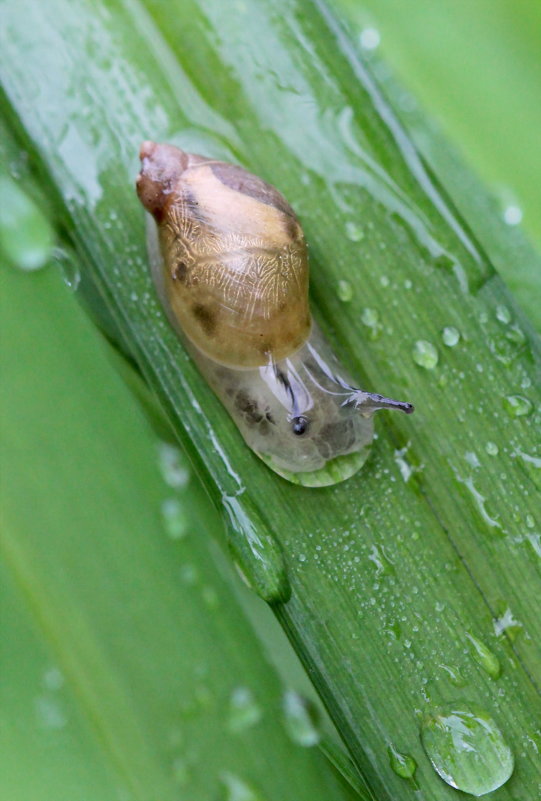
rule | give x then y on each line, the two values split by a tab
229	261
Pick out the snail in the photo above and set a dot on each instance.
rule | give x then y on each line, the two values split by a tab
229	262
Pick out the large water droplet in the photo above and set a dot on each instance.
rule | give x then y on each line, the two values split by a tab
403	765
244	712
507	624
517	405
236	789
450	336
425	354
258	554
484	656
344	291
26	237
301	719
492	449
467	749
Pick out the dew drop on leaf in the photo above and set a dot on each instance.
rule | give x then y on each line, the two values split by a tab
244	712
517	405
450	336
354	232
344	291
467	749
403	765
301	719
492	449
484	657
425	354
237	789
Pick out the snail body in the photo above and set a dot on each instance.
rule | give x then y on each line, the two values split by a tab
229	262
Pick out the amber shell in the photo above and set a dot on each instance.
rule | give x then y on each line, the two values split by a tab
235	261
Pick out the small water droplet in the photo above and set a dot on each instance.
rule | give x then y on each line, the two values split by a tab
189	574
173	467
450	336
530	522
344	291
455	676
244	712
236	789
354	232
403	765
517	405
26	236
301	718
68	263
492	449
370	318
369	38
512	215
503	314
381	561
50	712
425	354
53	679
384	281
174	518
467	749
484	656
507	624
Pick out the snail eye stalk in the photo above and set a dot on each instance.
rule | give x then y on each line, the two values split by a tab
300	425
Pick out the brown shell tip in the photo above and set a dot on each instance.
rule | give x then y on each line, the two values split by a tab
161	168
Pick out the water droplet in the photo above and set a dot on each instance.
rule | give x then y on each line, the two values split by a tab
370	318
492	449
174	518
384	281
507	624
503	314
50	712
512	215
484	656
517	405
425	354
450	336
301	719
26	237
369	38
244	712
236	789
530	522
344	291
381	561
354	232
173	467
53	679
455	675
467	749
403	765
68	263
254	548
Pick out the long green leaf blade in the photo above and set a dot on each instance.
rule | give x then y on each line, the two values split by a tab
380	588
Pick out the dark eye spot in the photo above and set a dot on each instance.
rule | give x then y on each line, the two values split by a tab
300	425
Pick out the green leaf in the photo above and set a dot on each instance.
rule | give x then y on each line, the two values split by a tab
437	537
128	669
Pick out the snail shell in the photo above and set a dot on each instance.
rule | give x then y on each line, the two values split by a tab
229	261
